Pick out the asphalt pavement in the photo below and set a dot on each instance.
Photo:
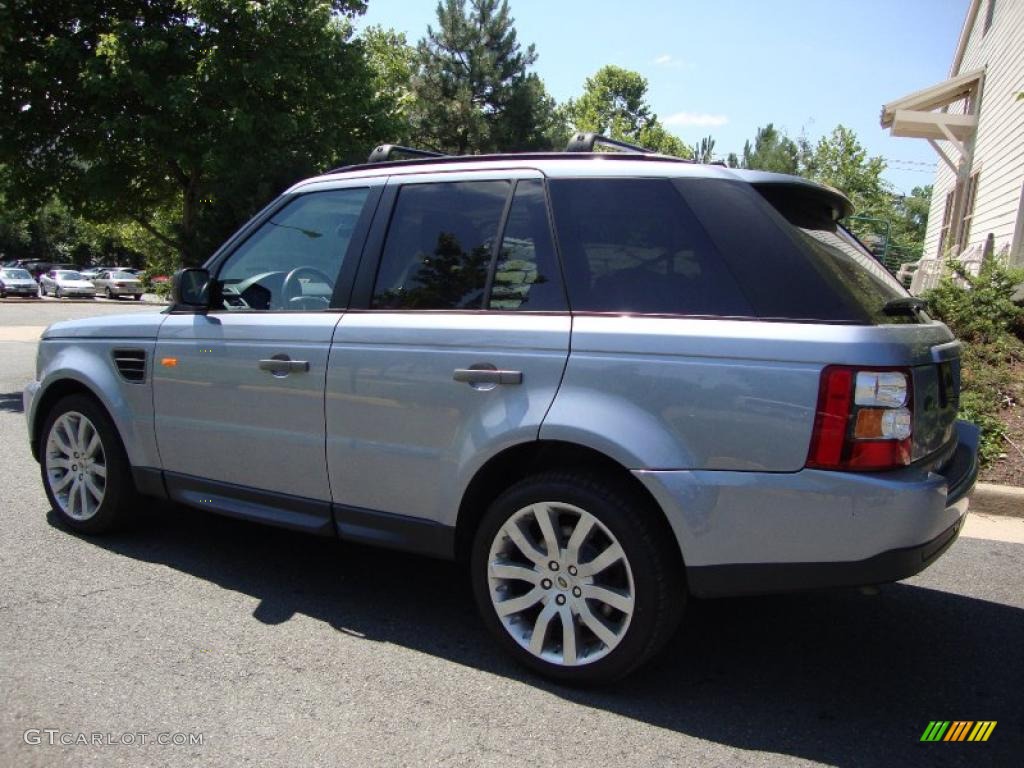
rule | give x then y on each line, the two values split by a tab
275	649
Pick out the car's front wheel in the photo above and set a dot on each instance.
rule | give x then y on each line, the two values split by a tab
575	576
84	467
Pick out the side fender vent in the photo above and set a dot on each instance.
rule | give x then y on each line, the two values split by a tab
131	364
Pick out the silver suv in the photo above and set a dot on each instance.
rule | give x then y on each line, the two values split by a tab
604	381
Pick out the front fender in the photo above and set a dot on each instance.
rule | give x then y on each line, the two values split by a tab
89	364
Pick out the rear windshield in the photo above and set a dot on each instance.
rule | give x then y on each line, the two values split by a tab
711	247
67	275
122	276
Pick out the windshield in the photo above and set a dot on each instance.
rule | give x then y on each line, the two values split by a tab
15	274
122	276
68	275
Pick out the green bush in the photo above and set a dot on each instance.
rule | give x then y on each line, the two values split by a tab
979	310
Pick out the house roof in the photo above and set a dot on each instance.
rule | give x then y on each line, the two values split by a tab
965	35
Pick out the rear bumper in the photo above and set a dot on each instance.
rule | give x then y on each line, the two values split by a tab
752	532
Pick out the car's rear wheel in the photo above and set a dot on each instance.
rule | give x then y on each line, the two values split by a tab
138	297
57	293
110	293
84	467
575	576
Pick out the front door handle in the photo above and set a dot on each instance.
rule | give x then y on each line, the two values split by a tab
487	376
282	366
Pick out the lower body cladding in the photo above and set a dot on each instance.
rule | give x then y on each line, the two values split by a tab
757	532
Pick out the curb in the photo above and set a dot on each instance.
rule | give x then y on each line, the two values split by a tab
993	499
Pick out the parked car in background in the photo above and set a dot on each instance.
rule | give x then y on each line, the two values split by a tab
114	283
65	282
15	281
93	272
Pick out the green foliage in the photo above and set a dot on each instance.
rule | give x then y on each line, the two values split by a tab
471	86
614	104
138	106
704	150
772	150
391	61
979	308
981	313
839	160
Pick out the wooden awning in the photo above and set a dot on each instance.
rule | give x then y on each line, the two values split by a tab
914	115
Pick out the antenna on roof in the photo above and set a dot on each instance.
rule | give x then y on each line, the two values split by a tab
585	142
384	152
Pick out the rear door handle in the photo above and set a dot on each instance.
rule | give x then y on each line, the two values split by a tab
487	376
280	366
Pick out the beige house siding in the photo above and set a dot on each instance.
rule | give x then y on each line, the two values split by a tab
999	145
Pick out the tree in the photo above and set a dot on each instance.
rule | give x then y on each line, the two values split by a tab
392	61
704	150
771	151
614	104
472	89
207	106
839	160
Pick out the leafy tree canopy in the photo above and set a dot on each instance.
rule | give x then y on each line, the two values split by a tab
471	83
614	103
126	108
772	150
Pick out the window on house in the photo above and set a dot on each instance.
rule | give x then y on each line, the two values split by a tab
989	13
947	220
964	236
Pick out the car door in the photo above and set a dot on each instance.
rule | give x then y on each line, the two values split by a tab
453	349
239	391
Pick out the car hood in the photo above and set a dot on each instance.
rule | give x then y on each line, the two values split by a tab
17	281
140	325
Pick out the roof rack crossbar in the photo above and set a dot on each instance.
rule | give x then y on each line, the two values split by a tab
585	142
383	153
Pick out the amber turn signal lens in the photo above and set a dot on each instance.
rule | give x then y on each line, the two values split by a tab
169	362
869	423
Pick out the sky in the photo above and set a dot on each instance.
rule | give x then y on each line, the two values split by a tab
726	67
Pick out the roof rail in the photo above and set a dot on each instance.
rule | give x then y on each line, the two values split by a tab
585	142
383	153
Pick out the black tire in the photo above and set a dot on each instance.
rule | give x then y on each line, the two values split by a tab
42	290
110	294
56	293
649	547
138	297
119	496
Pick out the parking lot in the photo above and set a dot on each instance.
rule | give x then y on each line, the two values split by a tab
278	649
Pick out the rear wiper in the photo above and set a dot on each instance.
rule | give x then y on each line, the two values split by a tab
905	305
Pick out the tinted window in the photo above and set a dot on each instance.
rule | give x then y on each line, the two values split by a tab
633	245
293	260
791	260
526	274
439	245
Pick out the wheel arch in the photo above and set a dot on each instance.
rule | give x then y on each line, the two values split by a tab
49	397
519	461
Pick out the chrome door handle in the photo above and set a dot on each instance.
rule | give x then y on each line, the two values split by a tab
279	366
487	376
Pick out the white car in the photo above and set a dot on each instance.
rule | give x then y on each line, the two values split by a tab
65	282
15	281
114	283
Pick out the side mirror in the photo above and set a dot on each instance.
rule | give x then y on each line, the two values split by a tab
190	290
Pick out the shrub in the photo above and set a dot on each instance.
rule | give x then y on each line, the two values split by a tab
980	311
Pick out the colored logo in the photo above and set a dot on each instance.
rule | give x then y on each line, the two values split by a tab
958	730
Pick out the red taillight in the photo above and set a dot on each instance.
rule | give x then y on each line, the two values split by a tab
852	421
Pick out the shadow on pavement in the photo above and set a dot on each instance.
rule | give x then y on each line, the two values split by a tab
11	402
837	677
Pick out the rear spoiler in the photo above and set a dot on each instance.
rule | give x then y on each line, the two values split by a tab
803	202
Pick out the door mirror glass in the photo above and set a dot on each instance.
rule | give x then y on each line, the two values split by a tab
191	289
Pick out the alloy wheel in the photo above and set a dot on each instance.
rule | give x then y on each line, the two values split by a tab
560	583
76	467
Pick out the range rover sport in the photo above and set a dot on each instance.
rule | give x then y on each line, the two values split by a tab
604	381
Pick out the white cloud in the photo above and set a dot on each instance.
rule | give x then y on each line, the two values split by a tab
700	119
668	60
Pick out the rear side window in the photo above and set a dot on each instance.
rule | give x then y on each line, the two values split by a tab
440	245
634	245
